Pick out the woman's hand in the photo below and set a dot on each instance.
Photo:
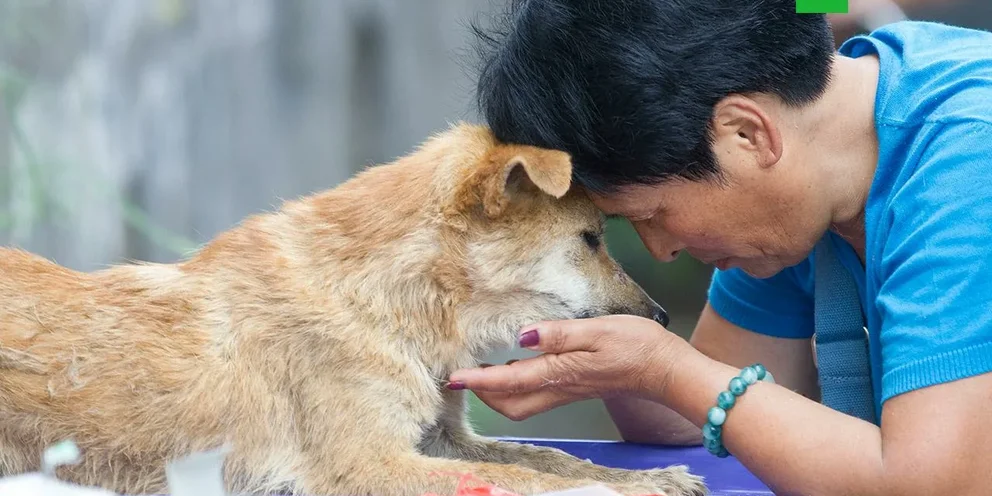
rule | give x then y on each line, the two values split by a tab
586	358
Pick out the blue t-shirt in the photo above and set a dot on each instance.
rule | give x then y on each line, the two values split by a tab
926	285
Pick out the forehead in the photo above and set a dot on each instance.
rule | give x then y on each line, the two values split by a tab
629	201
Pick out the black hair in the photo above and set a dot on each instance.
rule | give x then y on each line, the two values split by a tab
627	87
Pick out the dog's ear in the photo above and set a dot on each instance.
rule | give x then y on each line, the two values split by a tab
549	170
522	169
509	173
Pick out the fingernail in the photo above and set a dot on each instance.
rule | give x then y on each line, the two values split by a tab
456	386
529	338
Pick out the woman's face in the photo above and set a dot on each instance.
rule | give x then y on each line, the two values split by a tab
760	219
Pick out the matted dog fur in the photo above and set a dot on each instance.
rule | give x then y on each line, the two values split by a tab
315	339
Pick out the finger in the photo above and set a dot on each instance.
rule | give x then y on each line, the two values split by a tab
495	400
562	336
519	377
519	407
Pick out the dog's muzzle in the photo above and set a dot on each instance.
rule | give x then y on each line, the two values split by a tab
661	316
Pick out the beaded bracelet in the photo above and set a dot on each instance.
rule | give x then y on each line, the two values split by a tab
713	429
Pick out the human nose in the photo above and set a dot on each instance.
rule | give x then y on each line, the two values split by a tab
662	245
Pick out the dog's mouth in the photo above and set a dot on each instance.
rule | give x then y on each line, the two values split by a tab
659	315
586	314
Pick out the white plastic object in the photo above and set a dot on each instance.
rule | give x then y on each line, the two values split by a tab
38	484
62	453
44	483
199	474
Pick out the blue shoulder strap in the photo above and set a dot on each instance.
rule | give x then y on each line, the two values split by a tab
840	344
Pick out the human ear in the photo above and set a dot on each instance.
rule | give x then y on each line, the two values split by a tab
744	123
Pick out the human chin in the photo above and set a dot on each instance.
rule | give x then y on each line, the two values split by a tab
761	270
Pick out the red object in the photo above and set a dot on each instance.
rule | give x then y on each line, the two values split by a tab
470	485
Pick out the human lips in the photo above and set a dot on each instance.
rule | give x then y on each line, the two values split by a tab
721	263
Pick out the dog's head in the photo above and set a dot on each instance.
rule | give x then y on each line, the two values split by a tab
530	245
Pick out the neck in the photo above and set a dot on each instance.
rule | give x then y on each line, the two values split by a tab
846	145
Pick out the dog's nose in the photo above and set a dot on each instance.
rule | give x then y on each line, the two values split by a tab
661	316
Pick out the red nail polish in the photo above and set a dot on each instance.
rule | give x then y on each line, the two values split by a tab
529	338
456	386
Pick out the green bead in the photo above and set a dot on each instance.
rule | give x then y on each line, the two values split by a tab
725	400
737	386
749	376
722	453
760	369
711	431
717	416
712	445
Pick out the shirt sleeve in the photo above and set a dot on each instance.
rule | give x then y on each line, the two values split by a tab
779	306
936	267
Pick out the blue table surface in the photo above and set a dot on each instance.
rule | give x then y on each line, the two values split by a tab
723	476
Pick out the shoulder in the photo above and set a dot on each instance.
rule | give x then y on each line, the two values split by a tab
917	42
924	35
933	270
928	71
934	221
946	163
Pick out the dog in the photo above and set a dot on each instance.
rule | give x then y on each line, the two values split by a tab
314	340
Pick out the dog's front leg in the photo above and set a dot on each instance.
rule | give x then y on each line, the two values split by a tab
411	474
359	442
673	480
452	437
374	460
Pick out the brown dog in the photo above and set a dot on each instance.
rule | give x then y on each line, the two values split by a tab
314	340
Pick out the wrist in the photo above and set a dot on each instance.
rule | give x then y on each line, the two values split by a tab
693	384
659	366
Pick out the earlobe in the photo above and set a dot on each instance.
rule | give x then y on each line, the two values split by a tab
774	151
770	140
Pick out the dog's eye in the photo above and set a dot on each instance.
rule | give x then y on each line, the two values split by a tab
591	239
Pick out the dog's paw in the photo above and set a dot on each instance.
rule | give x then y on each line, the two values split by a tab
640	489
674	481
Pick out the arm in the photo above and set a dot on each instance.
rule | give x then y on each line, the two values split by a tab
934	440
644	421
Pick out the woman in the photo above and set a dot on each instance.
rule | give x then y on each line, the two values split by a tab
732	131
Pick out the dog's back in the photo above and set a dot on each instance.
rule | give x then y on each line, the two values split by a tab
83	355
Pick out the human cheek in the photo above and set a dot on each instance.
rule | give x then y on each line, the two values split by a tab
691	231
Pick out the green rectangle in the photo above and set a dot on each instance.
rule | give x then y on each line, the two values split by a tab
821	6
